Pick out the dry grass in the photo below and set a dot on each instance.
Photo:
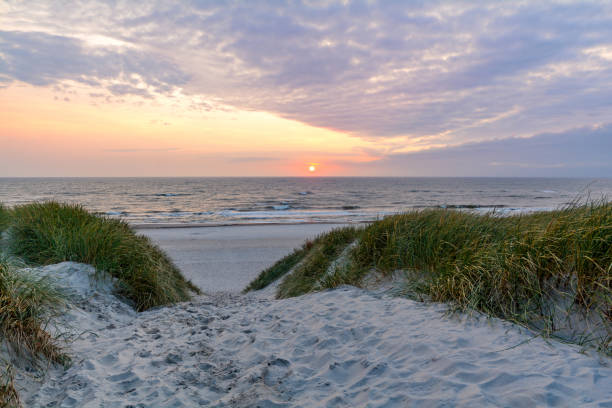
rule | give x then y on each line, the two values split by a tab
26	304
9	397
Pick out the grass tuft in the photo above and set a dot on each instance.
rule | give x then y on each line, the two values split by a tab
280	268
320	255
50	232
310	261
26	303
4	217
9	397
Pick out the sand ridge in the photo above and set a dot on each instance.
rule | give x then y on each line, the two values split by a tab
342	348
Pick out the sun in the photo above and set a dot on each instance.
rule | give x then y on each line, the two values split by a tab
312	167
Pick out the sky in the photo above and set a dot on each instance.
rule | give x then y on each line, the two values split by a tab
273	88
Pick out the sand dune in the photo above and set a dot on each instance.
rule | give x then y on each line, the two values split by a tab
341	348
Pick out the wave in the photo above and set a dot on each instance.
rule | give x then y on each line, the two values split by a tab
116	213
289	213
469	206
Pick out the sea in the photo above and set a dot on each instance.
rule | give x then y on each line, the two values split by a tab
231	201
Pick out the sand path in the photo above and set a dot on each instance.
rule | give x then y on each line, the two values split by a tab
340	348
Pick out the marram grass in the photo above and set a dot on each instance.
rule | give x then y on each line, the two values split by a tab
514	267
269	275
50	232
9	397
306	264
4	218
320	254
26	304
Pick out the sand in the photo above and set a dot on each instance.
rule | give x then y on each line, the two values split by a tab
228	258
341	348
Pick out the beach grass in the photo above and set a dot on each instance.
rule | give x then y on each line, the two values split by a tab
518	267
27	302
9	397
51	232
280	268
4	217
511	267
324	250
306	264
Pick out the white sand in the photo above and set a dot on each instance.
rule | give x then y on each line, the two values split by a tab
228	258
341	348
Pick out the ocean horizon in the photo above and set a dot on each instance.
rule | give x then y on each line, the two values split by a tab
274	200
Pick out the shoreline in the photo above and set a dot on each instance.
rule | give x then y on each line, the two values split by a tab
148	226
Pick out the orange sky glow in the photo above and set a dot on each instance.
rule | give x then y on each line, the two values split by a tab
71	133
363	88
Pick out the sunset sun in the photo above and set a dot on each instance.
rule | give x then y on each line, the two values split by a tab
311	168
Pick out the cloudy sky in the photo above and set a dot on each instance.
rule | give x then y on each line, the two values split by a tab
211	88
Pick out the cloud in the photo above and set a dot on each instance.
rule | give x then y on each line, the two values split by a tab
582	152
439	71
125	89
139	150
253	159
42	59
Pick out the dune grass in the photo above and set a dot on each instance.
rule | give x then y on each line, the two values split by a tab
514	267
26	304
269	275
9	397
311	261
324	249
505	266
50	232
4	217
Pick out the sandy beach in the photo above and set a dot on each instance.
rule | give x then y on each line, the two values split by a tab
346	347
228	258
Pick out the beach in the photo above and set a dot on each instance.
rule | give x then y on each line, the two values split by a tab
346	347
227	258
